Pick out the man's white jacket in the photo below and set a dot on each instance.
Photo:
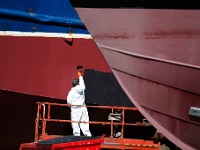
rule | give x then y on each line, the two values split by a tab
76	95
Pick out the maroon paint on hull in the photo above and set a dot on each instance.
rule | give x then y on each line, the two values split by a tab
159	65
45	66
38	66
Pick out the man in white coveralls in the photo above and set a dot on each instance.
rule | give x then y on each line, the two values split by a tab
76	96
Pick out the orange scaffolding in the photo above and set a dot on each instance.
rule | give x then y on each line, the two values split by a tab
44	116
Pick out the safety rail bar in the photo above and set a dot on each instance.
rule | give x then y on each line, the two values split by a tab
44	118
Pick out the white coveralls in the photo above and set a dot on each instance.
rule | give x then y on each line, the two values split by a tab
76	96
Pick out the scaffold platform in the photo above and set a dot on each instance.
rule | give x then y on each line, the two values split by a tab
43	140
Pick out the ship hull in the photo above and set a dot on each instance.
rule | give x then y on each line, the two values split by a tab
154	54
40	48
45	66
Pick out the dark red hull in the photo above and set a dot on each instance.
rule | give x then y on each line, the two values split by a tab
45	66
39	69
155	56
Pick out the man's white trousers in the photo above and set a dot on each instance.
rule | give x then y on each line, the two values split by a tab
80	114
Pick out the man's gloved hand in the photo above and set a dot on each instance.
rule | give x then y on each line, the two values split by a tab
79	74
80	70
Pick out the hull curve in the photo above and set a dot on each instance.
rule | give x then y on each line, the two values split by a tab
159	65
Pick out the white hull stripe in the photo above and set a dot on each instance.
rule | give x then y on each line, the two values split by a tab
44	34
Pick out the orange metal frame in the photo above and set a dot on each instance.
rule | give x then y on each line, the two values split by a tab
44	116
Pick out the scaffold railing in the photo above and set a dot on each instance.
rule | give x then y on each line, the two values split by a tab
44	116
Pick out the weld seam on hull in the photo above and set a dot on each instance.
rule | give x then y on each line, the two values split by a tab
170	116
154	81
148	57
